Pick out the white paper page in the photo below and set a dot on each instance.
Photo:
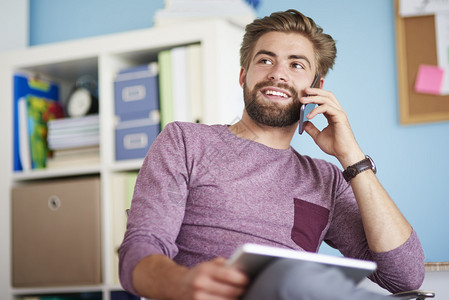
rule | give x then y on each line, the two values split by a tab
410	8
442	40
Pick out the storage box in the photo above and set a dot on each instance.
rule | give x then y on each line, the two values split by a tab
137	90
133	138
56	233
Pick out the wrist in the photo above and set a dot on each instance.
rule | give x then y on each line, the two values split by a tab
351	159
156	275
363	165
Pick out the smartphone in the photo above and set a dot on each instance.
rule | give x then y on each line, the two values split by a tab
306	108
304	111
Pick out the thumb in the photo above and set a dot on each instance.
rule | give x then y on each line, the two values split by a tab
221	261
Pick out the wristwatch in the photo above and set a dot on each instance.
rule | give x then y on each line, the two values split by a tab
363	165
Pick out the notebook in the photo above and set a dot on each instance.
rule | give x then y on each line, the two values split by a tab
252	258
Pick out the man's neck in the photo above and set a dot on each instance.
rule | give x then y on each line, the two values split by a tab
273	137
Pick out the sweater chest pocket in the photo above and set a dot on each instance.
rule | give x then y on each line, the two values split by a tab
308	224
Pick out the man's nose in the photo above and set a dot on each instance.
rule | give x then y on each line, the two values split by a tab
278	73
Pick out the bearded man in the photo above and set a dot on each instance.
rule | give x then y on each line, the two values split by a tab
205	190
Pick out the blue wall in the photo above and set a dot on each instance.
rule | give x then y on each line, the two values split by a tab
55	20
412	160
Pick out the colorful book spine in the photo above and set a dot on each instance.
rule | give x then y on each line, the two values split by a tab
165	87
122	193
179	84
24	155
195	82
39	112
26	88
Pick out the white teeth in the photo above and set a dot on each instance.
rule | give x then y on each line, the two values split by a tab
274	93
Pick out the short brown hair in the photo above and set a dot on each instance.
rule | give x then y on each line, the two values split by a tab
290	21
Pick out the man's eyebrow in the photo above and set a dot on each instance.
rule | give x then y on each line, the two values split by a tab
265	52
303	57
293	56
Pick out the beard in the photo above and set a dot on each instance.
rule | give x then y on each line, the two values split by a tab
268	112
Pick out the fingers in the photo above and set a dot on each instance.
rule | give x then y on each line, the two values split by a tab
229	274
336	138
311	130
319	96
215	280
328	104
225	290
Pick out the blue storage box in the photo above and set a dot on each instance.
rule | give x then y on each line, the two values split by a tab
133	138
136	90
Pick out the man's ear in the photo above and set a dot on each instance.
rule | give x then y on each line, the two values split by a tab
321	82
242	76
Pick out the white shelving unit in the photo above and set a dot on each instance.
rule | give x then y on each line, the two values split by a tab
102	57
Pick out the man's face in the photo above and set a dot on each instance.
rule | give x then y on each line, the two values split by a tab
281	67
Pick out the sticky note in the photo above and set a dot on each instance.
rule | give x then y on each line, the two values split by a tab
429	80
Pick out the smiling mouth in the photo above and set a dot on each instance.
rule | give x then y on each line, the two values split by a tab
277	93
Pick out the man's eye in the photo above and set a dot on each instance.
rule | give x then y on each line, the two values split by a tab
297	66
266	61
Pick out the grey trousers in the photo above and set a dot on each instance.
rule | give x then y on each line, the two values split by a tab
284	280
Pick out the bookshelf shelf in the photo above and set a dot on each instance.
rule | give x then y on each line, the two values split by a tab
128	165
58	290
55	173
103	57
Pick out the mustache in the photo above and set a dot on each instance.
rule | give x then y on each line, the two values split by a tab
292	91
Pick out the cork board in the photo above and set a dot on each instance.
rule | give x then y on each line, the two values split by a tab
416	45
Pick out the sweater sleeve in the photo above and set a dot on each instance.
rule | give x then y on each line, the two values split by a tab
158	204
398	270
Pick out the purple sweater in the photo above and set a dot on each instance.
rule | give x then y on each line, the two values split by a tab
202	192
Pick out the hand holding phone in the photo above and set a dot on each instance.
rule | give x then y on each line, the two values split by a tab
307	108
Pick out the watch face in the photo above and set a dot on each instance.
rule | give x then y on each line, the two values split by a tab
373	165
79	103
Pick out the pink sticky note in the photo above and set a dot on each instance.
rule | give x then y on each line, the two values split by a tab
429	79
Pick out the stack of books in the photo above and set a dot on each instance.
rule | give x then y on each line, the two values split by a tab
181	84
74	141
122	185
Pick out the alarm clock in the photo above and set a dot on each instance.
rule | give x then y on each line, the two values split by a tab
83	98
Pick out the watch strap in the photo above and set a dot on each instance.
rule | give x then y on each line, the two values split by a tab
357	168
